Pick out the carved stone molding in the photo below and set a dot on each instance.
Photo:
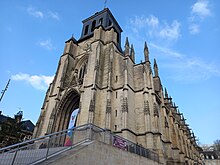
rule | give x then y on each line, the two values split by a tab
108	106
125	105
146	108
156	110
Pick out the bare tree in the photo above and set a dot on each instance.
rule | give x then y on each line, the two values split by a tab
217	145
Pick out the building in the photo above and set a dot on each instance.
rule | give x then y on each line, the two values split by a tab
101	80
210	156
14	130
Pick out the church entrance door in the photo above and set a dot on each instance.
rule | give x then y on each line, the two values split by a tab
69	104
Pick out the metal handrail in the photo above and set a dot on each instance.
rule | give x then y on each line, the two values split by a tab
42	137
54	144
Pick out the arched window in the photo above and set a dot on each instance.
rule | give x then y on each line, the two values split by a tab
93	25
84	69
86	30
118	39
109	23
100	21
82	73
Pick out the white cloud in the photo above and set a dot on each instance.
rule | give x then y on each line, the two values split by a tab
43	14
166	51
47	44
199	11
194	69
155	28
185	68
201	8
194	28
36	13
38	82
170	31
54	15
142	21
152	21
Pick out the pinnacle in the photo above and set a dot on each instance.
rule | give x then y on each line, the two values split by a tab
145	46
127	42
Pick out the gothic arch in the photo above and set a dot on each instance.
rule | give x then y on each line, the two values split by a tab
81	61
68	104
80	70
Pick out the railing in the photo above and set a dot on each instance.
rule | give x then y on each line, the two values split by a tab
121	143
39	149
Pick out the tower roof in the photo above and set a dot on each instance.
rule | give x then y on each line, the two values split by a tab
106	13
103	18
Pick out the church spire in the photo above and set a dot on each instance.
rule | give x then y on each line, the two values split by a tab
132	53
146	52
155	69
127	47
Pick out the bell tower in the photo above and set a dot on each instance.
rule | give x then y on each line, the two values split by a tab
101	84
106	20
83	77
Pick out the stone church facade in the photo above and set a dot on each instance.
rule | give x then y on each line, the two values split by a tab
95	75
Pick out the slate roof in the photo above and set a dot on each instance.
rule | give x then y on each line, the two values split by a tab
27	125
3	118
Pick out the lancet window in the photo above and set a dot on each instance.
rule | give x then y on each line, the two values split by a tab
82	73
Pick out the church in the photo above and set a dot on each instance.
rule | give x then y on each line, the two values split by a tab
100	82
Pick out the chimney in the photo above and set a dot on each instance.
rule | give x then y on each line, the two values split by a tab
18	116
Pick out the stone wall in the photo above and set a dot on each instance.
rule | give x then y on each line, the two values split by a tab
99	153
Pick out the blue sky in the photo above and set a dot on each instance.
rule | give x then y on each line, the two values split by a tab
182	36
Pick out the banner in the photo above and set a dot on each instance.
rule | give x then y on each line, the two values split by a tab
120	142
69	136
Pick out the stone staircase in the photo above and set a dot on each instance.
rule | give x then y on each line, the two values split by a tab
36	156
50	149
